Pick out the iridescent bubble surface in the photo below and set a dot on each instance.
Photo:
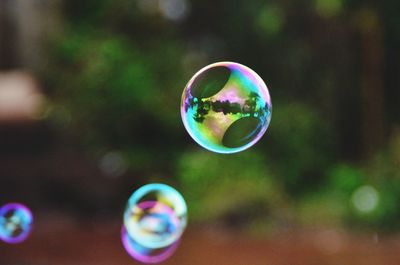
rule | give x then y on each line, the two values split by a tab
155	216
15	223
144	254
226	107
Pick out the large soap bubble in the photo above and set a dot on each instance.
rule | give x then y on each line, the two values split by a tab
226	107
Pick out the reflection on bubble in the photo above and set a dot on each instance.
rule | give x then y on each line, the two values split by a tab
144	254
226	107
155	216
365	199
15	223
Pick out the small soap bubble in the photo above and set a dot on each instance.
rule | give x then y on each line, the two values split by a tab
15	223
226	107
155	216
144	254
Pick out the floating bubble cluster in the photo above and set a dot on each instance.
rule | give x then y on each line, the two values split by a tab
226	107
154	220
15	223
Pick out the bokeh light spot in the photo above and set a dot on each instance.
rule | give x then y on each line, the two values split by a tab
175	10
270	20
112	164
365	199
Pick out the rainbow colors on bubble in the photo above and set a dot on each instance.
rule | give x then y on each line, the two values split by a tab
226	107
144	254
154	220
15	223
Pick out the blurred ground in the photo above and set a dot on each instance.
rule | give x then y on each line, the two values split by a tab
64	241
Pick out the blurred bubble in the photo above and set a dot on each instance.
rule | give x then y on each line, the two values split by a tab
365	199
144	254
15	223
175	10
155	216
226	107
112	165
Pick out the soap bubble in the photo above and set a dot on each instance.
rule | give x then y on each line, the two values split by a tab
226	107
155	216
144	254
15	223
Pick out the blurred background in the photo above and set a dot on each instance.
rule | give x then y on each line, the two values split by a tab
89	112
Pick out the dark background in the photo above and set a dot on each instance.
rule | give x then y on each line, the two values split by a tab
89	112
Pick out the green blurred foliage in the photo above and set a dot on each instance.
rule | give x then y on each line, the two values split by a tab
270	20
115	79
217	186
294	151
328	8
109	85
